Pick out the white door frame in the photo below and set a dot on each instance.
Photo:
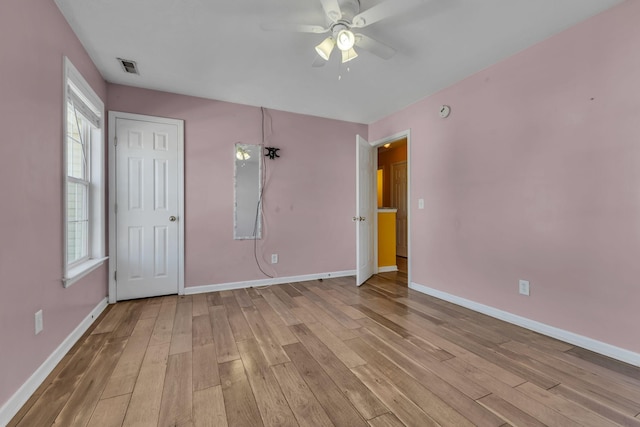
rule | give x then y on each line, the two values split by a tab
113	116
377	144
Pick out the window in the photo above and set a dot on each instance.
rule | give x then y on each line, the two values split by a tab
83	194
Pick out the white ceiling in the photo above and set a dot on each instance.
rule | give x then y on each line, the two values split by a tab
216	49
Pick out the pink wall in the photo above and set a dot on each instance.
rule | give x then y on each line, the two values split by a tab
536	175
33	39
309	197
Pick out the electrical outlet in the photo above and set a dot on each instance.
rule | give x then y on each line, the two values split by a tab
39	323
524	287
274	258
420	203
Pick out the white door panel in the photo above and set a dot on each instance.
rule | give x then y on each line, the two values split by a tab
365	193
147	200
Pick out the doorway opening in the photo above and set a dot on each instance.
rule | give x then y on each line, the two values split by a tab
392	231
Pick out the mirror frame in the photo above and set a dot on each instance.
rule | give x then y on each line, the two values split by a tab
253	149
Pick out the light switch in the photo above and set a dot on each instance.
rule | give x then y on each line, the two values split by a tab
420	203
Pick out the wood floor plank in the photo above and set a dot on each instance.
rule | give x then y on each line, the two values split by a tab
253	293
402	407
303	403
289	289
591	402
322	316
509	412
448	393
271	402
113	318
330	299
243	298
277	326
45	410
342	351
205	367
471	388
304	315
360	396
544	414
426	400
331	309
182	334
208	408
372	316
282	295
223	339
128	323
200	306
332	399
412	324
110	412
607	362
163	327
615	389
510	362
202	334
239	401
386	420
280	307
151	309
176	404
267	341
214	298
239	326
124	376
144	407
87	391
569	409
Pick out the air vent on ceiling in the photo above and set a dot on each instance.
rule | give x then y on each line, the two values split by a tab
129	66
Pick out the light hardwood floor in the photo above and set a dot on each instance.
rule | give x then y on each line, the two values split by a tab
326	353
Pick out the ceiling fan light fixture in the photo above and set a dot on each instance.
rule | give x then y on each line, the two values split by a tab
345	40
348	55
325	48
242	154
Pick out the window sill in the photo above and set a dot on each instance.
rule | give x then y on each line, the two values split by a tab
79	271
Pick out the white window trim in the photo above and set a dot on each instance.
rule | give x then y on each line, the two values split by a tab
73	273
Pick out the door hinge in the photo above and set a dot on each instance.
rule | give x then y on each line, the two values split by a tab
115	141
115	275
115	208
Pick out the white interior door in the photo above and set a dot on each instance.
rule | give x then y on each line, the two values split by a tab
365	193
147	207
399	201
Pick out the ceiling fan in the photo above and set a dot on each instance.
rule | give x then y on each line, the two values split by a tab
342	17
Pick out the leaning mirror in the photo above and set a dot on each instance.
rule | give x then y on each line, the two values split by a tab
248	170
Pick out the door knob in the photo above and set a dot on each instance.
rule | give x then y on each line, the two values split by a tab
362	218
173	218
354	219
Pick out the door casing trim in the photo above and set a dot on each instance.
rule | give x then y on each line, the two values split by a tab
391	138
112	191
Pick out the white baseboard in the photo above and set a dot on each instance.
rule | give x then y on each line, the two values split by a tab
264	282
387	269
600	347
20	397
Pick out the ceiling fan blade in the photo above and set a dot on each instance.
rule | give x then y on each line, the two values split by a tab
295	28
383	10
319	62
373	46
332	9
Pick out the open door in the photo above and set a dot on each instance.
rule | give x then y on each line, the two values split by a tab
365	193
